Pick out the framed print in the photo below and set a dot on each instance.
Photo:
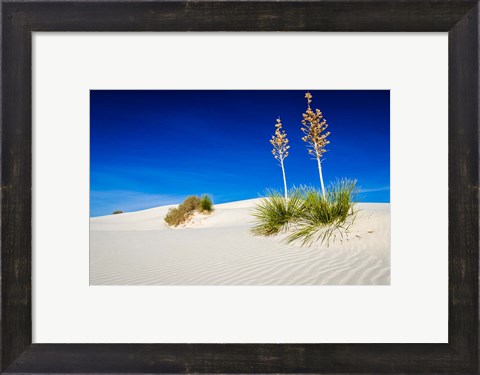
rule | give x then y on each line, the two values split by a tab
236	200
228	207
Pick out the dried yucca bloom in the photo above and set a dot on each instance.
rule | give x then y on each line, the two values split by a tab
315	134
314	128
279	141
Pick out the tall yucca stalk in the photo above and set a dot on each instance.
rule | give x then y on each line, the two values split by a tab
314	128
280	145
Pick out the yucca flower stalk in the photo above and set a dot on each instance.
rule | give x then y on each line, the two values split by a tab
280	149
314	128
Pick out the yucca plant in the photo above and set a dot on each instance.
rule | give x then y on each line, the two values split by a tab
280	149
315	136
324	216
275	213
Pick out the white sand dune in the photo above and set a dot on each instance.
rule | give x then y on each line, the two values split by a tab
138	248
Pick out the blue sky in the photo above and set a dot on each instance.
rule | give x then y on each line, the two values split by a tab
150	148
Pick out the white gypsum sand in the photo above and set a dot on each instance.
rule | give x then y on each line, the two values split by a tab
138	248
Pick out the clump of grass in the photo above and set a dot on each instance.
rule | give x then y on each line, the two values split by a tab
190	203
177	216
206	204
274	213
116	212
322	218
181	214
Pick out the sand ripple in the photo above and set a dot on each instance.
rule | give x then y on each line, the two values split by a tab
219	250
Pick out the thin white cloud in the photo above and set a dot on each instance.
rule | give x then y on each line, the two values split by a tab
370	190
106	201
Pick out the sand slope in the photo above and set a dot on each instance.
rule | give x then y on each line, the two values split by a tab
139	249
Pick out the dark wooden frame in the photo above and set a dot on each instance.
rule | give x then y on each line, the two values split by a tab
460	18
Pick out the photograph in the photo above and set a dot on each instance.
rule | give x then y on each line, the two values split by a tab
239	187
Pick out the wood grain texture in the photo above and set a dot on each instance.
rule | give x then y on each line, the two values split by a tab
326	15
16	197
463	183
20	18
239	358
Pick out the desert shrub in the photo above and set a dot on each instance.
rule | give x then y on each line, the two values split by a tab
274	213
191	203
182	213
176	216
117	212
323	217
206	204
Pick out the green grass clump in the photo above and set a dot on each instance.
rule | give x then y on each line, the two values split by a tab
206	204
274	213
181	214
323	218
117	212
306	214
